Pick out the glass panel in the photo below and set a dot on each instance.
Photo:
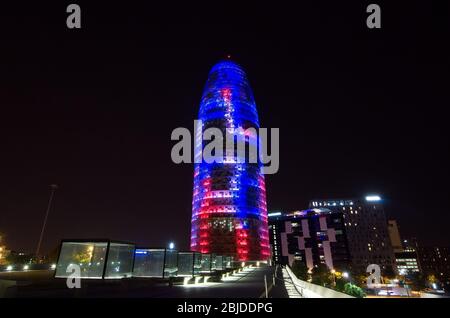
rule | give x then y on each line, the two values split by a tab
197	263
228	262
89	256
206	263
120	260
170	266
213	261
149	263
219	263
216	262
185	263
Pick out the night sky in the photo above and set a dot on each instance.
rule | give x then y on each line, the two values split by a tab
92	110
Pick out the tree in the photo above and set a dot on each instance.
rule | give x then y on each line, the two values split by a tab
417	281
340	284
431	278
15	258
354	290
321	275
432	281
83	257
388	272
300	270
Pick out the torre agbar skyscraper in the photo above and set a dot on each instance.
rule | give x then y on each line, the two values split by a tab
229	212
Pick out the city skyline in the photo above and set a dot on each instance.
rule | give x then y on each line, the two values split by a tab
93	111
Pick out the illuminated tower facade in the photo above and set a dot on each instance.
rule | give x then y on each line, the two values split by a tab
229	213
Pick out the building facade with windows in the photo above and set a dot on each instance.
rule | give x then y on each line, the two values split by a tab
407	262
229	213
394	236
436	261
366	230
405	251
314	236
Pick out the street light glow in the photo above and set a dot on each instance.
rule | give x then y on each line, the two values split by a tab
373	198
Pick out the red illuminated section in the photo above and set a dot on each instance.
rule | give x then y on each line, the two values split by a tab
203	216
229	211
242	243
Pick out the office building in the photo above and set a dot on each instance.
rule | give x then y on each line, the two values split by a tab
436	261
405	252
394	236
366	229
407	262
314	236
229	214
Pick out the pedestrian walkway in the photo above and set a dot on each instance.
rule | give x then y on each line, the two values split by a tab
292	290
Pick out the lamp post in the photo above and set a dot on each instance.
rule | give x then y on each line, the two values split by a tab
347	277
53	188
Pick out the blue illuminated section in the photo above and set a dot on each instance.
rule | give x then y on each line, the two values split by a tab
229	212
230	79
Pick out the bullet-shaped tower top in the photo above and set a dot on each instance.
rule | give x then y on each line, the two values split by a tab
227	90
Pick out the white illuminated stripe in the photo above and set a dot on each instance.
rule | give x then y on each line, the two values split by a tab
274	214
200	285
202	281
290	287
373	198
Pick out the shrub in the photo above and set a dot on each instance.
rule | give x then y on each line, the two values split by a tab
340	284
354	290
300	270
321	275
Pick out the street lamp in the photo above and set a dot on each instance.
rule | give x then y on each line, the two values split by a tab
345	275
171	245
53	188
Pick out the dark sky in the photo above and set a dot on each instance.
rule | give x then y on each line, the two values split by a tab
92	110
